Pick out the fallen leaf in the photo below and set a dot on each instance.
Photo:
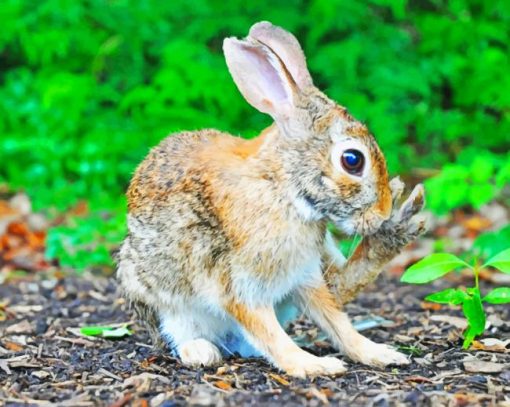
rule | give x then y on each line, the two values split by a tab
492	344
18	229
455	321
480	366
138	380
13	346
5	366
106	331
313	392
322	344
327	392
279	379
432	306
23	327
40	374
417	379
221	370
477	223
220	384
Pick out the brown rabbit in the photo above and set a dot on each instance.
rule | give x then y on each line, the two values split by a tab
222	229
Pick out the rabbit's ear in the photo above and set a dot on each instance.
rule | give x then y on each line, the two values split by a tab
261	77
287	47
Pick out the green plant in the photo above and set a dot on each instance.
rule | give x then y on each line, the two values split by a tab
488	244
112	332
87	87
86	242
470	299
475	179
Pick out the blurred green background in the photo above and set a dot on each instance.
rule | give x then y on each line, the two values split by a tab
87	87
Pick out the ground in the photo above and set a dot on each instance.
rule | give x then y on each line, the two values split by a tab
44	359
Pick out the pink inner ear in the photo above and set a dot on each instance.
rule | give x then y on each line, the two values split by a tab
269	81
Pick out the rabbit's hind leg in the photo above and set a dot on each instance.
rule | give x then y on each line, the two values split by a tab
190	333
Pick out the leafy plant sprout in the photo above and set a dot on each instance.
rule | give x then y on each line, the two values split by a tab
437	265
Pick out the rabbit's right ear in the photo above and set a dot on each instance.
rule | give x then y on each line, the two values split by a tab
261	77
287	47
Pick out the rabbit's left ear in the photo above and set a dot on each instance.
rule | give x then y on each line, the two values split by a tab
287	47
262	78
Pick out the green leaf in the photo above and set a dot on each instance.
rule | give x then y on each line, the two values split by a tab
431	268
499	295
106	331
475	315
448	296
500	261
117	333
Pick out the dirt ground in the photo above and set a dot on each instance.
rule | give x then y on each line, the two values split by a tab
43	358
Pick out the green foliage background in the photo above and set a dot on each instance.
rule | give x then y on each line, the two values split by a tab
86	87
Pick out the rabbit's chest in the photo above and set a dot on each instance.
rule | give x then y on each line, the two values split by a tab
277	274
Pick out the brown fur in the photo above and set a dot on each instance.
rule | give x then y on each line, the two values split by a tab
222	228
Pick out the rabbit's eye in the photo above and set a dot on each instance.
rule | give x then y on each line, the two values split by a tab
353	161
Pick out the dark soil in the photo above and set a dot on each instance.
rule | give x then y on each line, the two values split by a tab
43	358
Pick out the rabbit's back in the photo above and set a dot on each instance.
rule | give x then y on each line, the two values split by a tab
176	238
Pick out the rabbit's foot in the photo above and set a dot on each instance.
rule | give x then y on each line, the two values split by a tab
199	352
404	224
309	365
377	354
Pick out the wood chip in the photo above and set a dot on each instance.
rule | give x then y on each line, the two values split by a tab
480	366
110	374
455	321
23	327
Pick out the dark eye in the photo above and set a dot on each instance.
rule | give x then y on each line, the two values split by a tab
353	161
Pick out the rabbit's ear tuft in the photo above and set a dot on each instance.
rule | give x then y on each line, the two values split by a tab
287	47
261	77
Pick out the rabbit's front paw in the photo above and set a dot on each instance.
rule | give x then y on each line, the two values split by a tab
311	366
378	355
404	224
199	352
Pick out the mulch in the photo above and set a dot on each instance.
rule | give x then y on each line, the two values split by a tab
44	359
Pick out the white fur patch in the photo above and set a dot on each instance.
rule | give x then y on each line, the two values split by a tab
255	291
305	210
333	250
139	229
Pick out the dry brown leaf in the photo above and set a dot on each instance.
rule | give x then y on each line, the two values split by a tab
140	379
313	392
432	306
13	346
481	366
457	322
492	344
279	379
23	327
18	229
220	384
417	379
221	370
477	223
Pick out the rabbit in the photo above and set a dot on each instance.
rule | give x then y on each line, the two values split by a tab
222	229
